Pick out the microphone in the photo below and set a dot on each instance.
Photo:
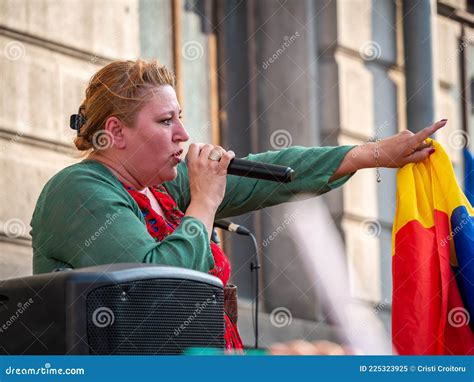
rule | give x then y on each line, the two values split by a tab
260	170
231	227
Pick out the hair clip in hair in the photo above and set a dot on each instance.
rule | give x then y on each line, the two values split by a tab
76	121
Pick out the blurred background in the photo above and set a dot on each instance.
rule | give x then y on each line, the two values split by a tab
252	76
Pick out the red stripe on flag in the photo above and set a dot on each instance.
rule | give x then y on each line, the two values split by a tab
425	292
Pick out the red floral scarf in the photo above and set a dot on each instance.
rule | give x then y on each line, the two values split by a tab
159	228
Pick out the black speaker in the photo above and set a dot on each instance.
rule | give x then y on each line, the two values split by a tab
112	309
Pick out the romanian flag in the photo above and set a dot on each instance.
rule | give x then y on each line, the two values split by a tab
433	261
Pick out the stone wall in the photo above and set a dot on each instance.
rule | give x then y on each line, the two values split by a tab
49	51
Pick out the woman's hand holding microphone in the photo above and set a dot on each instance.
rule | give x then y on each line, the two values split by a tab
207	171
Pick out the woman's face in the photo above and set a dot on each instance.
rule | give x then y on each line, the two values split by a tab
154	144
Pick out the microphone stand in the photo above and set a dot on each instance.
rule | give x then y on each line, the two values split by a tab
258	170
254	266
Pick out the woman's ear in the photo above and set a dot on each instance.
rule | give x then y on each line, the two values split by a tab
114	131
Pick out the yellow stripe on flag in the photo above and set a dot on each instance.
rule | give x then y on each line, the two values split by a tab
424	187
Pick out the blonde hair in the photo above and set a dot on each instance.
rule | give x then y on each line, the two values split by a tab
119	89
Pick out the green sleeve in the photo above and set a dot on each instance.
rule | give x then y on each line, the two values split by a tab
83	219
313	167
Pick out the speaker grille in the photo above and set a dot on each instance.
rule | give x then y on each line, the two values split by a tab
161	316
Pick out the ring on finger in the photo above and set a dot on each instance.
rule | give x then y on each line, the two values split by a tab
216	154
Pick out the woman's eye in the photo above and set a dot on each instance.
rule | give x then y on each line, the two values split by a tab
166	122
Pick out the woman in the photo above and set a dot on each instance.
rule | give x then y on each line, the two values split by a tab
133	199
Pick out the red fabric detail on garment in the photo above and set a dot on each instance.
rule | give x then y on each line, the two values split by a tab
159	228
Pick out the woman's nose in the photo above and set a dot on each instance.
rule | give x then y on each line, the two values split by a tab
181	133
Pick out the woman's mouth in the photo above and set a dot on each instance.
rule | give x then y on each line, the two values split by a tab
177	156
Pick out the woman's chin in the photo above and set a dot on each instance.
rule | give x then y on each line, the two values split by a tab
169	175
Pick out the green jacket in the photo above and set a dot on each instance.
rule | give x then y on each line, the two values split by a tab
85	217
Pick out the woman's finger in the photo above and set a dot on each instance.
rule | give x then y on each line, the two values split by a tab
420	155
205	151
424	145
193	151
216	153
419	137
225	160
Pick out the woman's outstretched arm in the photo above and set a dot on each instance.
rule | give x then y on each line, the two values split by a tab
395	151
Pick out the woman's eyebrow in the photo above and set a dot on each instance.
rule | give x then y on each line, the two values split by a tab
172	112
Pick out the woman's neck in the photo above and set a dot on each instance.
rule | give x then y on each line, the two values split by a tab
114	165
